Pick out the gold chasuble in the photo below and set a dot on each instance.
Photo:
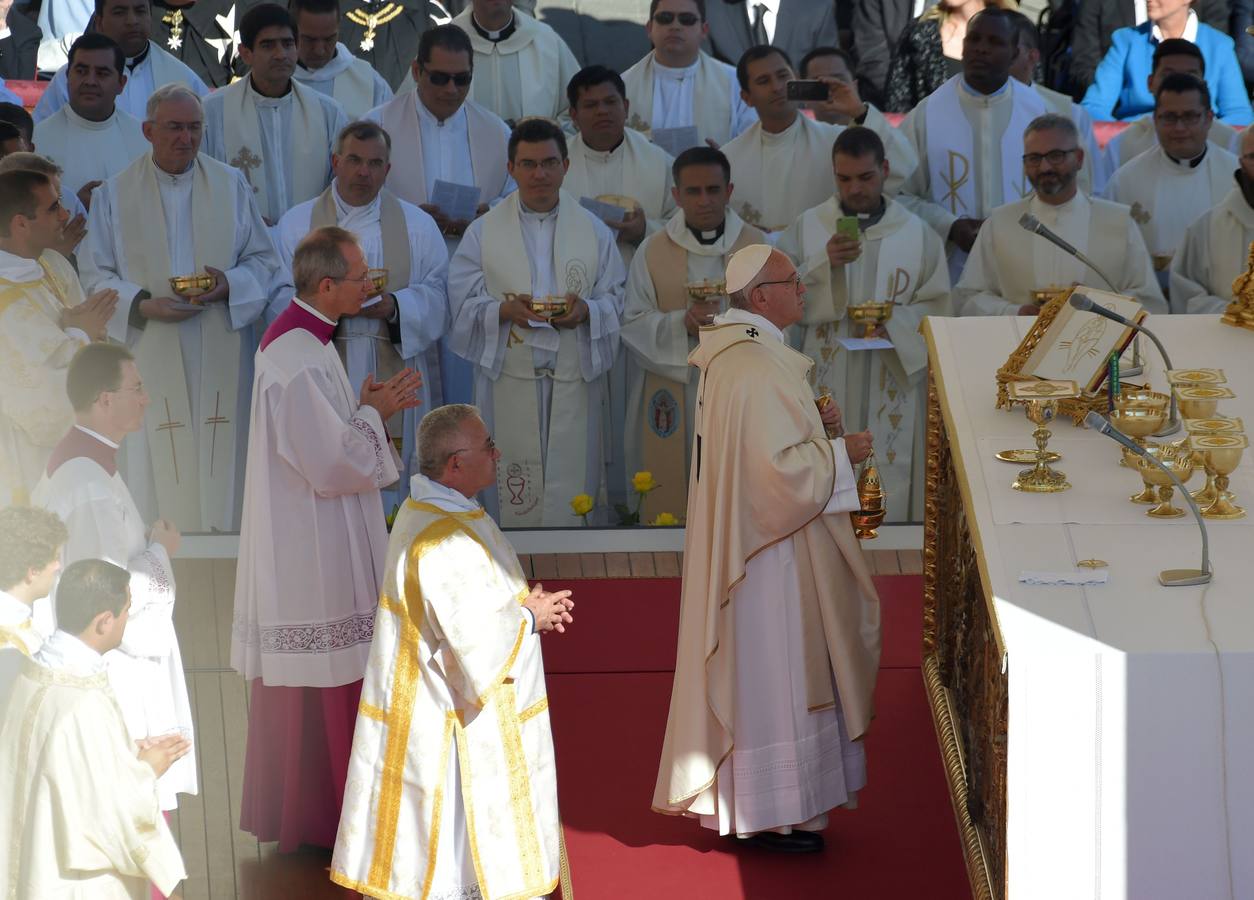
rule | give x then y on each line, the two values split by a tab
191	462
535	488
454	672
756	406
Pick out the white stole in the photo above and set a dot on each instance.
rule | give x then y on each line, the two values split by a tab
1050	266
539	62
533	490
711	99
354	88
307	156
193	480
487	156
951	148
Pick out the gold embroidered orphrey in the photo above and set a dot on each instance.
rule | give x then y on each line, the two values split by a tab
373	21
955	180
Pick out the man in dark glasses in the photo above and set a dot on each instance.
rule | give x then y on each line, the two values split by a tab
679	94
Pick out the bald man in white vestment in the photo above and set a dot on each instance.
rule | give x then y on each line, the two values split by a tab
1170	186
411	313
540	384
784	162
1009	263
278	132
779	631
328	66
679	85
174	212
1216	247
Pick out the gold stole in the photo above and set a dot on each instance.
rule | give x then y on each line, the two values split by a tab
711	98
664	416
306	145
194	479
382	359
534	490
408	176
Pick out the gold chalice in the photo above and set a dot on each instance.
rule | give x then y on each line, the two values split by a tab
1223	453
1180	461
1141	398
1200	401
870	316
1138	423
1207	494
548	307
192	286
378	281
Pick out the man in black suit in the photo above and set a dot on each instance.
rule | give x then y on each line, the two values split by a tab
795	26
1097	19
877	24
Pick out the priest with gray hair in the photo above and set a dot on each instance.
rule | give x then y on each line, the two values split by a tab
171	215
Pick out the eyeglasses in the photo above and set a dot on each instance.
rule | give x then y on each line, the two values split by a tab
1188	119
439	79
686	19
365	279
552	164
795	281
1053	157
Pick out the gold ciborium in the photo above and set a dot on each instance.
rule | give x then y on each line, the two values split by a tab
1040	401
1138	423
1200	401
870	316
871	502
1206	495
192	286
705	291
1223	454
548	307
621	201
378	281
1180	461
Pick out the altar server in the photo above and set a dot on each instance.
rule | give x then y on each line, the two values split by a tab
539	384
31	542
678	85
968	135
311	548
1216	247
128	23
454	696
521	64
176	213
779	630
90	138
81	818
44	320
895	257
1008	263
1171	185
783	163
406	319
275	130
82	486
662	319
328	66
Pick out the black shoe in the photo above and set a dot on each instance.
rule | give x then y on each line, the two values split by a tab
797	842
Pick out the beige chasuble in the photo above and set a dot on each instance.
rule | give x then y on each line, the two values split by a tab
1214	254
536	488
191	461
523	75
711	106
354	89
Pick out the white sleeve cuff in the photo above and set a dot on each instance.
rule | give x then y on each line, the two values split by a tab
530	618
845	493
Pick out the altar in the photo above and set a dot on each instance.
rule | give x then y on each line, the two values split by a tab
1098	739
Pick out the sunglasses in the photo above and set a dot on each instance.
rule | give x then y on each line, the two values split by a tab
686	19
439	79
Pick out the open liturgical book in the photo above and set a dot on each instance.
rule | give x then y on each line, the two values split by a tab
1076	345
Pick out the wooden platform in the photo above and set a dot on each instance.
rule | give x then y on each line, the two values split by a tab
225	863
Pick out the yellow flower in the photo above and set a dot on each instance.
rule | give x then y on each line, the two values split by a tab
582	504
642	482
665	519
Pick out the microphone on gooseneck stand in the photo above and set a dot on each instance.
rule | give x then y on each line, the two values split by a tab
1086	304
1167	577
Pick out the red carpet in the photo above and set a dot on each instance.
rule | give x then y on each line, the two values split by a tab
609	689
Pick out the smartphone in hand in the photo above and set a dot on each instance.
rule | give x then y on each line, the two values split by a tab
807	91
847	226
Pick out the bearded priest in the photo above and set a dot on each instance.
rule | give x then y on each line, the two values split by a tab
779	631
311	547
452	782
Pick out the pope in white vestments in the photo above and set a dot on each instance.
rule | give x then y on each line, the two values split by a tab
782	164
174	212
895	257
779	631
1216	247
396	236
311	548
540	383
452	786
83	487
679	85
328	66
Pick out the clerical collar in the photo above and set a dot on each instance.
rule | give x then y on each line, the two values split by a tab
736	315
495	36
66	653
266	98
139	57
1192	163
866	220
83	443
426	490
707	237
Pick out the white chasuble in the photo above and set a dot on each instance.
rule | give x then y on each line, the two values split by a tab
1139	135
901	261
89	151
193	460
536	487
34	356
661	395
1214	253
452	789
704	96
349	80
